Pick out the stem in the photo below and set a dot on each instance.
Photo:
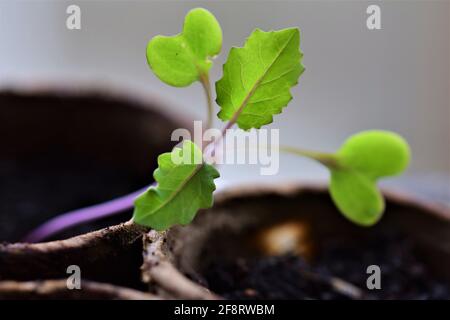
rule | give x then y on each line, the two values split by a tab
79	216
223	133
204	79
329	160
227	126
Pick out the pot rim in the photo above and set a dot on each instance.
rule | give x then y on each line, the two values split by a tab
157	256
288	189
137	99
47	288
243	191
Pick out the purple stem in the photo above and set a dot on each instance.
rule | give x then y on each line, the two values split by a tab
83	215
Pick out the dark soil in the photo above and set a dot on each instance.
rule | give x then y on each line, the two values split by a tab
403	274
34	190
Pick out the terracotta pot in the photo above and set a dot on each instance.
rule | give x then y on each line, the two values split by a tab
98	129
242	220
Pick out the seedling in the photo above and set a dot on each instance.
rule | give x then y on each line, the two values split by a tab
255	86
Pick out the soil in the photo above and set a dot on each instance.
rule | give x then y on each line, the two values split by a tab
34	190
403	274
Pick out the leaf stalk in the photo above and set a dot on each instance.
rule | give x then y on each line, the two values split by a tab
329	160
204	80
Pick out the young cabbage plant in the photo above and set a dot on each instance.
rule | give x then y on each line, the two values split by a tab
256	85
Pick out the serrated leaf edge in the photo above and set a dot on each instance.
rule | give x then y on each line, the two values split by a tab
237	113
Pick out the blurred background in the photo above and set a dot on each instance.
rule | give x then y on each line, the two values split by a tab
396	78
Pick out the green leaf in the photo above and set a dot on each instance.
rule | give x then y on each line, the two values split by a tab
257	78
356	197
183	187
363	159
377	153
182	59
